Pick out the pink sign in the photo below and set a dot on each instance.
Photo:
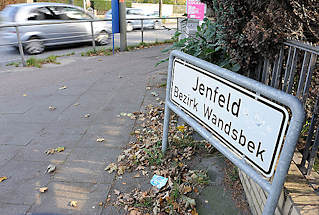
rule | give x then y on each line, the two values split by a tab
195	9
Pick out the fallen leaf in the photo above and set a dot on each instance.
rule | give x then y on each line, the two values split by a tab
137	176
63	87
154	94
52	108
52	151
140	168
188	201
43	189
120	158
135	212
111	167
187	189
50	168
117	192
194	212
73	203
100	139
60	149
121	170
76	104
3	178
181	128
25	95
49	151
144	172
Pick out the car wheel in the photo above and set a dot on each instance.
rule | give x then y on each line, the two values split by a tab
129	26
157	25
103	38
34	46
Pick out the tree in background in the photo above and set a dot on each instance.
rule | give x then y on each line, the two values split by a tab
250	29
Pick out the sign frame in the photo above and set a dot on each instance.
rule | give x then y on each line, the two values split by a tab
259	89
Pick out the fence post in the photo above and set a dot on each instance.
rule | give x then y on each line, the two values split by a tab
142	30
93	38
20	47
177	24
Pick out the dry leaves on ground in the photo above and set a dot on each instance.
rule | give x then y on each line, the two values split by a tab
63	88
73	203
43	189
3	178
100	139
52	108
144	156
52	151
51	168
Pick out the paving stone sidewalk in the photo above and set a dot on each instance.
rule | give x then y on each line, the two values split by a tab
102	87
88	93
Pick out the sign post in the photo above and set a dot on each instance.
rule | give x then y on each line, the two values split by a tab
123	40
245	120
115	19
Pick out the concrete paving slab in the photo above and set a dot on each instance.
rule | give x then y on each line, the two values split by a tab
24	180
15	104
13	209
59	194
116	136
62	127
36	151
39	112
8	152
18	133
87	165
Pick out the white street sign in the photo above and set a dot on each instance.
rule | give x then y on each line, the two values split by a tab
251	126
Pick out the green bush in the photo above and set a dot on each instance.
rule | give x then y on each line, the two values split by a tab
251	29
205	44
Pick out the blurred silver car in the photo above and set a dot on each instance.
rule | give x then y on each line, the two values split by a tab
36	37
135	13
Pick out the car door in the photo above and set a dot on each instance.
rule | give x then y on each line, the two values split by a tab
72	32
134	14
46	32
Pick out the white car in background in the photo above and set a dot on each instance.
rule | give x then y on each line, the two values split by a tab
36	37
136	13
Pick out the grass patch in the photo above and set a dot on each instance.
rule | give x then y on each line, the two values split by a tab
16	64
163	85
154	155
38	62
99	52
109	51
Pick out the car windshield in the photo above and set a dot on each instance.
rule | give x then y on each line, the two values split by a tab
8	13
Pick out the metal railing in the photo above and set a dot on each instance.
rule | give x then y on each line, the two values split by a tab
292	71
21	43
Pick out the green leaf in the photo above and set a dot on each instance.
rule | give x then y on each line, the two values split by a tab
236	67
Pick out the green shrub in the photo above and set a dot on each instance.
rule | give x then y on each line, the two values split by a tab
206	44
251	29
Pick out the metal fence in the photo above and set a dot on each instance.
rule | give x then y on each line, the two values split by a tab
20	44
294	71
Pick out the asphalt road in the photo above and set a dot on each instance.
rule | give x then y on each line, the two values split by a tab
10	54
